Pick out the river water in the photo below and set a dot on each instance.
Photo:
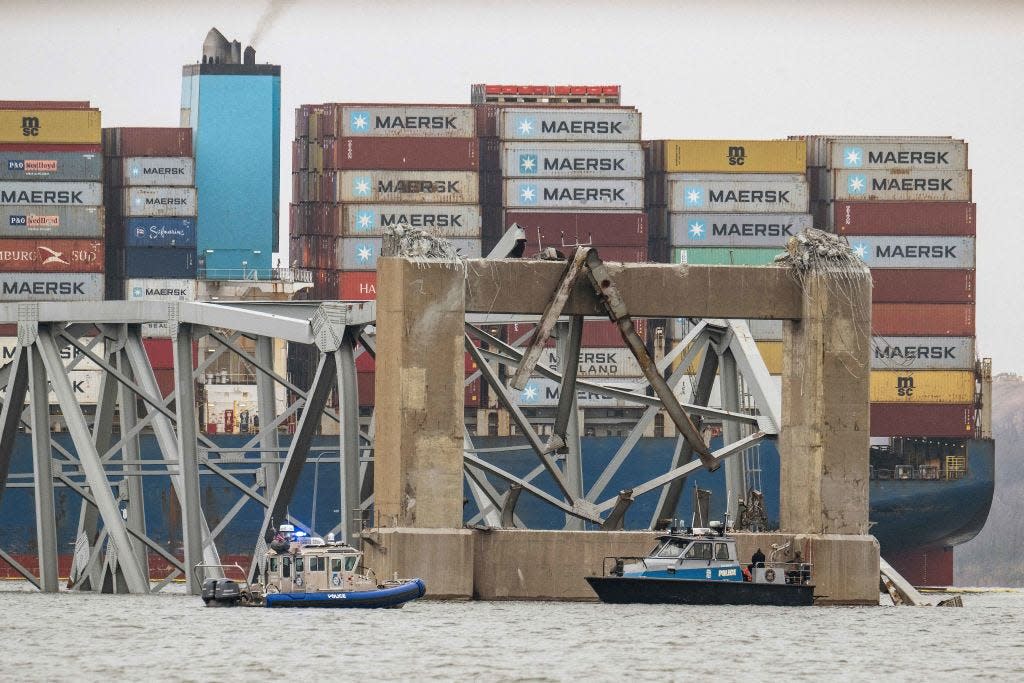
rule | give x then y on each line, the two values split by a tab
85	637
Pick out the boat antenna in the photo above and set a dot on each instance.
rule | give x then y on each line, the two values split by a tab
728	498
696	504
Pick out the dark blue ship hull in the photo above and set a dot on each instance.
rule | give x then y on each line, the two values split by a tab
625	590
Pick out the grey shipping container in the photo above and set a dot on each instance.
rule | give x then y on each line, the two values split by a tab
765	330
574	193
922	353
65	166
736	229
570	124
738	197
60	194
51	221
427	187
400	120
357	253
954	253
943	155
51	287
948	186
159	201
149	171
448	220
818	146
561	160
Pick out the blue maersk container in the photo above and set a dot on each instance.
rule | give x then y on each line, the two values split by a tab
160	232
234	111
158	262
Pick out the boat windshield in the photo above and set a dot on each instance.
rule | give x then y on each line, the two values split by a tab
699	551
670	548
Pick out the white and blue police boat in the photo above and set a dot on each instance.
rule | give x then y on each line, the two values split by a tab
700	567
303	571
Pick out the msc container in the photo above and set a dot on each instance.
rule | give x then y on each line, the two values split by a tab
51	287
358	253
560	160
922	386
51	256
572	193
358	285
426	187
724	256
60	126
736	229
32	164
50	193
947	155
158	201
602	229
735	156
51	221
452	220
905	218
746	196
922	353
162	262
160	232
915	252
947	186
134	171
147	142
570	124
923	320
399	154
403	121
922	420
922	286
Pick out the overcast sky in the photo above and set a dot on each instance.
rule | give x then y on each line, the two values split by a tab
695	70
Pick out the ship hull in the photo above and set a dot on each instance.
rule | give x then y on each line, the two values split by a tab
627	590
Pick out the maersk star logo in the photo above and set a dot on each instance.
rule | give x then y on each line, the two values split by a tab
526	125
528	193
364	220
693	196
361	185
528	164
530	394
853	157
359	121
857	184
698	230
861	250
136	292
364	253
136	170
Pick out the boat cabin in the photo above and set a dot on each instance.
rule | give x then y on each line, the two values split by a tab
698	554
312	565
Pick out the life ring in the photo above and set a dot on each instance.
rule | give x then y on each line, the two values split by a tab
769	575
298	580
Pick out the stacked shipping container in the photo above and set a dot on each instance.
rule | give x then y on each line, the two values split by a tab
51	202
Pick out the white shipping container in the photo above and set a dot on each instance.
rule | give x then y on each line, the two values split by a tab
19	193
361	253
736	229
159	289
401	121
598	362
159	201
446	220
541	392
922	353
819	146
588	125
595	195
84	383
9	345
902	186
51	287
565	160
915	252
738	197
946	155
404	187
176	171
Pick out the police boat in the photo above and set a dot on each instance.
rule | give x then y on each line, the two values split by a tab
303	571
700	567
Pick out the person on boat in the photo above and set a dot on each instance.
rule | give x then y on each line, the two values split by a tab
801	573
757	559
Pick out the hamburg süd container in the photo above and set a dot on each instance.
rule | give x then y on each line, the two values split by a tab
51	287
51	221
51	193
147	142
158	201
735	156
48	255
737	229
50	126
358	285
447	220
403	121
922	420
358	253
622	228
935	286
923	320
922	386
905	218
426	187
570	124
400	154
161	262
951	253
944	155
922	353
160	232
574	193
29	164
571	160
746	196
147	171
725	256
900	185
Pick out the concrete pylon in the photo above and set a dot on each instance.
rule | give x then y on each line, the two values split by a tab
825	434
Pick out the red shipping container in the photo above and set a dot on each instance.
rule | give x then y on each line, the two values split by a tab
147	142
923	285
357	285
923	320
161	353
402	154
603	229
905	218
367	391
19	255
920	419
472	397
365	363
9	330
596	333
164	380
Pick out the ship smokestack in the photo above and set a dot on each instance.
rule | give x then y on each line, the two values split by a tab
250	55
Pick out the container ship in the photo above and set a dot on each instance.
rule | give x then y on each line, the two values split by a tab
569	165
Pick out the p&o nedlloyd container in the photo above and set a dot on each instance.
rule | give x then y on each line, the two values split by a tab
51	221
28	163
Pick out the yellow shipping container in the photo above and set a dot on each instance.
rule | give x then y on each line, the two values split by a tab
923	386
735	156
771	352
50	126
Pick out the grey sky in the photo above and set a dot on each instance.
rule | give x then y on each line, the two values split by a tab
695	70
